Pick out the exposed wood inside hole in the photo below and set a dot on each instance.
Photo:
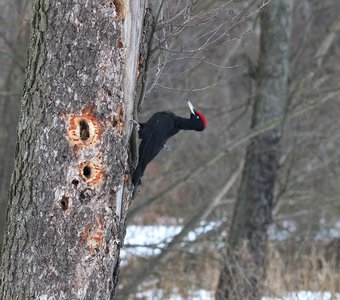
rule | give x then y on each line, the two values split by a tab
90	172
84	130
120	8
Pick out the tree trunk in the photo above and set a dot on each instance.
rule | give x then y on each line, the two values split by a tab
245	266
71	183
12	74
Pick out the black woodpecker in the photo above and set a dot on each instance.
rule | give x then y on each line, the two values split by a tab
157	130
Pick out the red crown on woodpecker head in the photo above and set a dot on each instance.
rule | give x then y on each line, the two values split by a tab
204	120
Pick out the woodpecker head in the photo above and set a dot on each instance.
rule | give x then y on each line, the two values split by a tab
197	117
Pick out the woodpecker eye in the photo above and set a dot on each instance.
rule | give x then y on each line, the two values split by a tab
197	117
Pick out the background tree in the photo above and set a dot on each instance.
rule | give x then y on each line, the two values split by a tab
205	50
14	18
245	264
70	189
219	80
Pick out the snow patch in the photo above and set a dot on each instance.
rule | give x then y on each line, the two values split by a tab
306	295
159	295
209	295
149	240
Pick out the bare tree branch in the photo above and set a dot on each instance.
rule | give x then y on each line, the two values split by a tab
238	141
205	210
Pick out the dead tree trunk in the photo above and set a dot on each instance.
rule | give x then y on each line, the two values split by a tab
71	183
245	267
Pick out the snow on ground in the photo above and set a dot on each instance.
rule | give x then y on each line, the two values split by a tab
208	295
159	295
306	295
149	240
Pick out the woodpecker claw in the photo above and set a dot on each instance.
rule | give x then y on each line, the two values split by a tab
167	147
135	123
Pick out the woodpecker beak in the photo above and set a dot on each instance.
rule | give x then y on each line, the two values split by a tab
191	107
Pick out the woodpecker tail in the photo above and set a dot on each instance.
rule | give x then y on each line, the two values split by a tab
137	175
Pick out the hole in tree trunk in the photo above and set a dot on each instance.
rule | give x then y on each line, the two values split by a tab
82	196
64	203
84	130
90	172
75	182
87	171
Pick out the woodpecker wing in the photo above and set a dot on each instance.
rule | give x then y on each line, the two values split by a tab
161	124
149	148
154	134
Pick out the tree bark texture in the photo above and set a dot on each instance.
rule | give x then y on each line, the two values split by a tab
245	267
12	77
70	189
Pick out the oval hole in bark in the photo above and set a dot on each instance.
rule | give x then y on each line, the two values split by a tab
84	130
75	182
82	196
87	171
90	172
64	203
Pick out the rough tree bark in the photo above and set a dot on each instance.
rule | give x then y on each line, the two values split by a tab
245	267
71	183
15	41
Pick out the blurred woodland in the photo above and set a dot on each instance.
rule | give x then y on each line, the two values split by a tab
208	52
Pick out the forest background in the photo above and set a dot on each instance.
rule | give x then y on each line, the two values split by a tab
208	51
